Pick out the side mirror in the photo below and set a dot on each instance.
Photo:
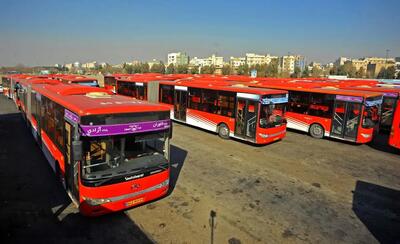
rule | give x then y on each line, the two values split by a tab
77	151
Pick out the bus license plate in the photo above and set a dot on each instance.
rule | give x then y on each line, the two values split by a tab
134	202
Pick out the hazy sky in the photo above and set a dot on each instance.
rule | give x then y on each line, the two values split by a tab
48	32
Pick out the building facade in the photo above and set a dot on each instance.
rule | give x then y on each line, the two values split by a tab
237	61
214	60
90	65
178	58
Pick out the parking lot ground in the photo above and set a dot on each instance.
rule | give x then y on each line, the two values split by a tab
298	190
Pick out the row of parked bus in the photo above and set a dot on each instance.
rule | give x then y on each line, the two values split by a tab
110	147
349	110
259	110
110	152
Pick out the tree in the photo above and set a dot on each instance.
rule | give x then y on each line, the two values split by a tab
296	73
158	68
182	69
194	70
144	68
390	72
208	69
226	69
306	72
170	69
349	69
128	69
360	73
272	70
137	68
243	69
316	72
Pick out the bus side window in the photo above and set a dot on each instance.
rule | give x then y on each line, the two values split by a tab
166	94
195	98
299	102
210	101
321	105
226	103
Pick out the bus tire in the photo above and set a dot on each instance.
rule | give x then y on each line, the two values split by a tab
317	131
223	131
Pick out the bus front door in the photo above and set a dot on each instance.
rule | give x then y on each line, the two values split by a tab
180	105
71	167
346	119
246	118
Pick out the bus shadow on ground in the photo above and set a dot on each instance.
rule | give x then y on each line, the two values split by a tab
378	208
380	143
34	207
178	157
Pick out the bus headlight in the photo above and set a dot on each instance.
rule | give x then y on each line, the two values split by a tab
96	201
164	183
366	135
263	135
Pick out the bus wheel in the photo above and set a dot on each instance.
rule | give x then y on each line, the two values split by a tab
223	131
317	131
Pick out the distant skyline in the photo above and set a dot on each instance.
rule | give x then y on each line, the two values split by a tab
48	32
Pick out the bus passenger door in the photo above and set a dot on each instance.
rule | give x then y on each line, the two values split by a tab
346	119
180	104
71	168
246	118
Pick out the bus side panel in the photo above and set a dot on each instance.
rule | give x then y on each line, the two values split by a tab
34	128
394	138
122	194
208	121
364	135
302	122
52	153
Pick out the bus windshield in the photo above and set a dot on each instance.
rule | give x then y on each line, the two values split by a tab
388	106
105	157
371	112
271	115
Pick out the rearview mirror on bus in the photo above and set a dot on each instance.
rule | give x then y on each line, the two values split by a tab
77	150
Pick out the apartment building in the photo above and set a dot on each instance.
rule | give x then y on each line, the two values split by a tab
254	59
178	58
212	60
359	63
90	65
237	61
341	61
289	62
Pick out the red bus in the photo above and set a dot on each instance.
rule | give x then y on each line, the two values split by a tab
389	119
390	113
79	80
251	114
24	90
331	112
9	82
110	152
110	80
136	85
